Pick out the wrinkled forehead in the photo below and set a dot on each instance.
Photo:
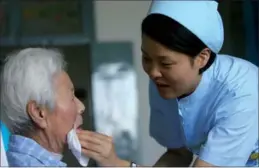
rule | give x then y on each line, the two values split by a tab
62	82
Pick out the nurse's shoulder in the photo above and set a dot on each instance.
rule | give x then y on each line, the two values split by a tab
233	86
234	78
238	75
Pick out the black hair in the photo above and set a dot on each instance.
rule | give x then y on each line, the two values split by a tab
174	36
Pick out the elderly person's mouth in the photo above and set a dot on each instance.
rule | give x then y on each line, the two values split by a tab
79	123
78	127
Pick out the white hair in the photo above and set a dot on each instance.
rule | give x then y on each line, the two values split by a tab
28	76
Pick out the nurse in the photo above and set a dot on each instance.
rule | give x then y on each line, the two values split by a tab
202	102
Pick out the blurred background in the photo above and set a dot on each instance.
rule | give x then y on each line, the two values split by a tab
101	43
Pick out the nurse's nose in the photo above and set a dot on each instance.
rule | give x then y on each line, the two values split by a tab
154	73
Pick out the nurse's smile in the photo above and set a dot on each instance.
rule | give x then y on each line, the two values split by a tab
162	87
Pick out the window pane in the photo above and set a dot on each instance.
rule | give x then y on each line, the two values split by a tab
256	21
3	18
51	17
234	28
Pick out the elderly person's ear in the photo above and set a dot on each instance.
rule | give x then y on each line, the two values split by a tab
37	114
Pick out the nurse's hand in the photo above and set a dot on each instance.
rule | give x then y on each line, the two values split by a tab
100	148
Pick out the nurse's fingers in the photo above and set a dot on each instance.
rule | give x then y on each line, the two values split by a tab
98	147
99	143
93	155
86	137
91	146
94	134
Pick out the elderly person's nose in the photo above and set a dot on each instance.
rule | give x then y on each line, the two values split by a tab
80	106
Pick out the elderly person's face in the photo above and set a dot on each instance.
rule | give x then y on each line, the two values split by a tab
66	114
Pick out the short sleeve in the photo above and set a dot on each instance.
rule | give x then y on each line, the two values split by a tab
233	138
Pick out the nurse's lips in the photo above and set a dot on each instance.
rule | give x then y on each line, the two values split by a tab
162	85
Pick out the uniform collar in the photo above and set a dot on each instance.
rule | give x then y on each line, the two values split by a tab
201	90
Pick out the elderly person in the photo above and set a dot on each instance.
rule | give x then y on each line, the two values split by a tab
38	97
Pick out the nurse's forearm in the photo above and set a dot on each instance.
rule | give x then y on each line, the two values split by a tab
175	158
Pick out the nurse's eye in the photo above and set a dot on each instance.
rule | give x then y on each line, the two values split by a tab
146	59
166	64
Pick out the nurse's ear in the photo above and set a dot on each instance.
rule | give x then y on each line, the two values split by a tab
202	58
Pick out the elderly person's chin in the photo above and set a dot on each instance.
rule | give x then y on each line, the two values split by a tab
52	139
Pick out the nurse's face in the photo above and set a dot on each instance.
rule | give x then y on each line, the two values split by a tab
175	74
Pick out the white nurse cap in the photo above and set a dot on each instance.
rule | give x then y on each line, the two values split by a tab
200	17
